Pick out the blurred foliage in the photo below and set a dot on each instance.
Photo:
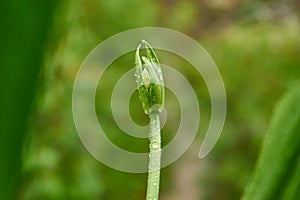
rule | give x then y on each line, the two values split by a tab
257	63
256	47
277	172
25	28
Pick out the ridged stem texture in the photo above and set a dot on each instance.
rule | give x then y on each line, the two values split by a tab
154	157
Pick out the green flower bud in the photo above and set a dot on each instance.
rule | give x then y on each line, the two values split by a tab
149	79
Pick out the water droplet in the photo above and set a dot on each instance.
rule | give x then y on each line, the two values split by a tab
155	184
155	145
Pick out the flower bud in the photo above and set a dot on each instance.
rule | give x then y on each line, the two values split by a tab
149	79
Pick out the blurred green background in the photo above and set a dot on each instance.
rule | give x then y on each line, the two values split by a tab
255	44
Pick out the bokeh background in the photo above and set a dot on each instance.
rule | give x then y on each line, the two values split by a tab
256	46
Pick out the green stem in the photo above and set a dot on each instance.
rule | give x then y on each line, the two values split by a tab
154	157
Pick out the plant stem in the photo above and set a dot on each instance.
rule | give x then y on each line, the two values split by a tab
152	95
154	157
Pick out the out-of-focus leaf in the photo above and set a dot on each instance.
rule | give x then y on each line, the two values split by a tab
277	171
24	31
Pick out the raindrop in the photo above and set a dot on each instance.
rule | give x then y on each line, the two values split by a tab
155	145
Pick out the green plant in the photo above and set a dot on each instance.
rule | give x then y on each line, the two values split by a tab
277	174
151	93
25	28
